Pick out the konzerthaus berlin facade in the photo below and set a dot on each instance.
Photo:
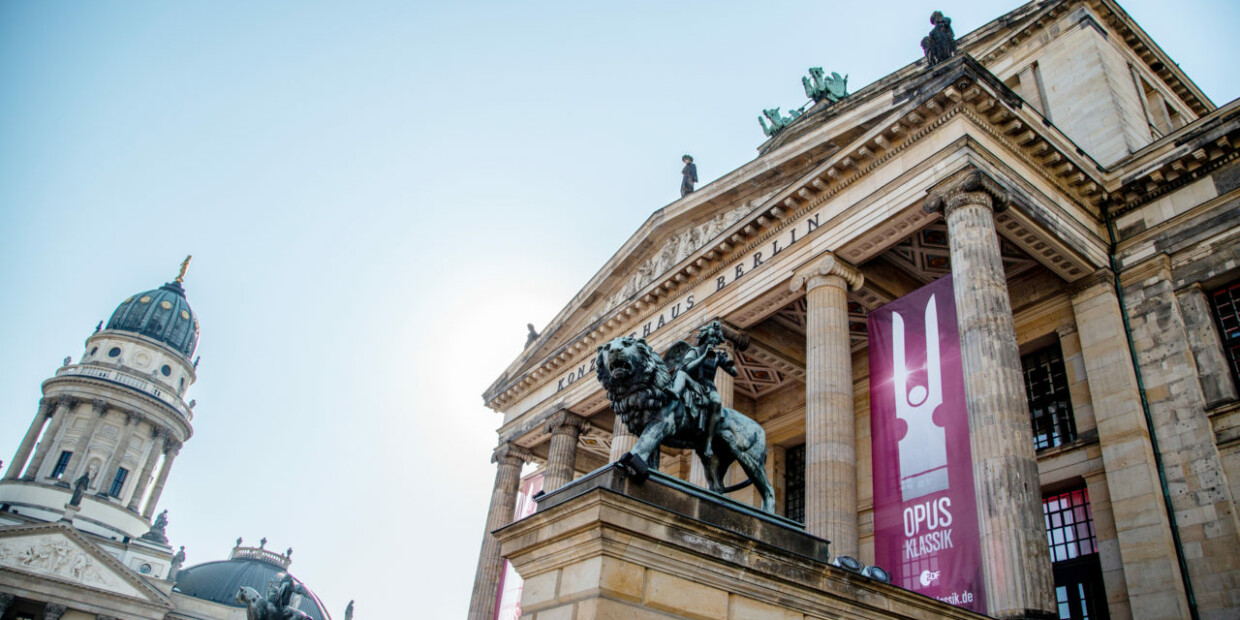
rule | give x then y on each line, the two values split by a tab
1083	193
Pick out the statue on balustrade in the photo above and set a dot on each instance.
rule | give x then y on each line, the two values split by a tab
941	43
672	401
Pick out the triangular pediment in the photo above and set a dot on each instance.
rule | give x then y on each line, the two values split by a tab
58	553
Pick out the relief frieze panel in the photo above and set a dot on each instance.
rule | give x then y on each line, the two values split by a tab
53	555
679	246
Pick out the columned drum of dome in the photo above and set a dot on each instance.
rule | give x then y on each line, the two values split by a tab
115	417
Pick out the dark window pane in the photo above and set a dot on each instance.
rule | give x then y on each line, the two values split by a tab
1050	408
61	464
794	483
1226	302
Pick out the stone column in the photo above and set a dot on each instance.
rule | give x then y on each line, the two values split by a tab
1017	563
621	440
64	406
170	455
565	427
830	427
78	460
159	439
510	458
1144	537
53	611
109	470
32	434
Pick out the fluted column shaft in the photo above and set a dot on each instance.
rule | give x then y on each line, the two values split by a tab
32	434
122	445
170	455
509	458
1017	563
77	463
64	406
830	431
565	427
621	441
144	478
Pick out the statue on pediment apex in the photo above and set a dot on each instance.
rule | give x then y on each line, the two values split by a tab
821	87
778	121
941	42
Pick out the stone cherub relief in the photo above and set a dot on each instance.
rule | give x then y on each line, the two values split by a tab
672	401
677	248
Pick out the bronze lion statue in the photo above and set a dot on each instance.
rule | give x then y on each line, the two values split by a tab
640	386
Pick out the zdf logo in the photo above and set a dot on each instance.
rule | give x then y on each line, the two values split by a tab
928	577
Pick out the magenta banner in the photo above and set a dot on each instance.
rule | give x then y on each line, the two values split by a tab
925	511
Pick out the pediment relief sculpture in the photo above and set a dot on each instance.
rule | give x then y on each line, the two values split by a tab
54	555
678	247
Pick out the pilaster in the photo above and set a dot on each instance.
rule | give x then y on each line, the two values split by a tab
830	429
77	463
110	469
1017	563
1143	528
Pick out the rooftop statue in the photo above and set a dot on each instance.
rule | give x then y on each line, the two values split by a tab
821	88
778	121
672	401
941	43
688	175
276	605
158	532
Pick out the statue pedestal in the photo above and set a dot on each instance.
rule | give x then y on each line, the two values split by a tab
70	512
606	546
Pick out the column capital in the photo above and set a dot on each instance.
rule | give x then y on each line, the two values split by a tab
508	453
814	274
1102	277
564	421
975	187
64	400
53	611
100	406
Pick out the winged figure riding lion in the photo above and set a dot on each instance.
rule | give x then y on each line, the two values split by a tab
672	401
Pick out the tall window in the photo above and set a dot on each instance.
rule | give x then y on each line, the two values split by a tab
1226	302
118	482
1079	591
61	464
1050	407
794	483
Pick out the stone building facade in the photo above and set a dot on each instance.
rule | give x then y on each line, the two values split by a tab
1084	194
79	537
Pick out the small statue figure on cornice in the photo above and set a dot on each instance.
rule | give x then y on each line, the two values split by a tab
348	611
79	489
688	175
158	532
941	44
778	121
821	88
532	336
99	327
68	360
177	561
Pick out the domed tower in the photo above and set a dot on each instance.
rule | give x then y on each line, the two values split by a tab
253	567
110	426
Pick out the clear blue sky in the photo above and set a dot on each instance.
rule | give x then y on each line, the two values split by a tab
379	196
